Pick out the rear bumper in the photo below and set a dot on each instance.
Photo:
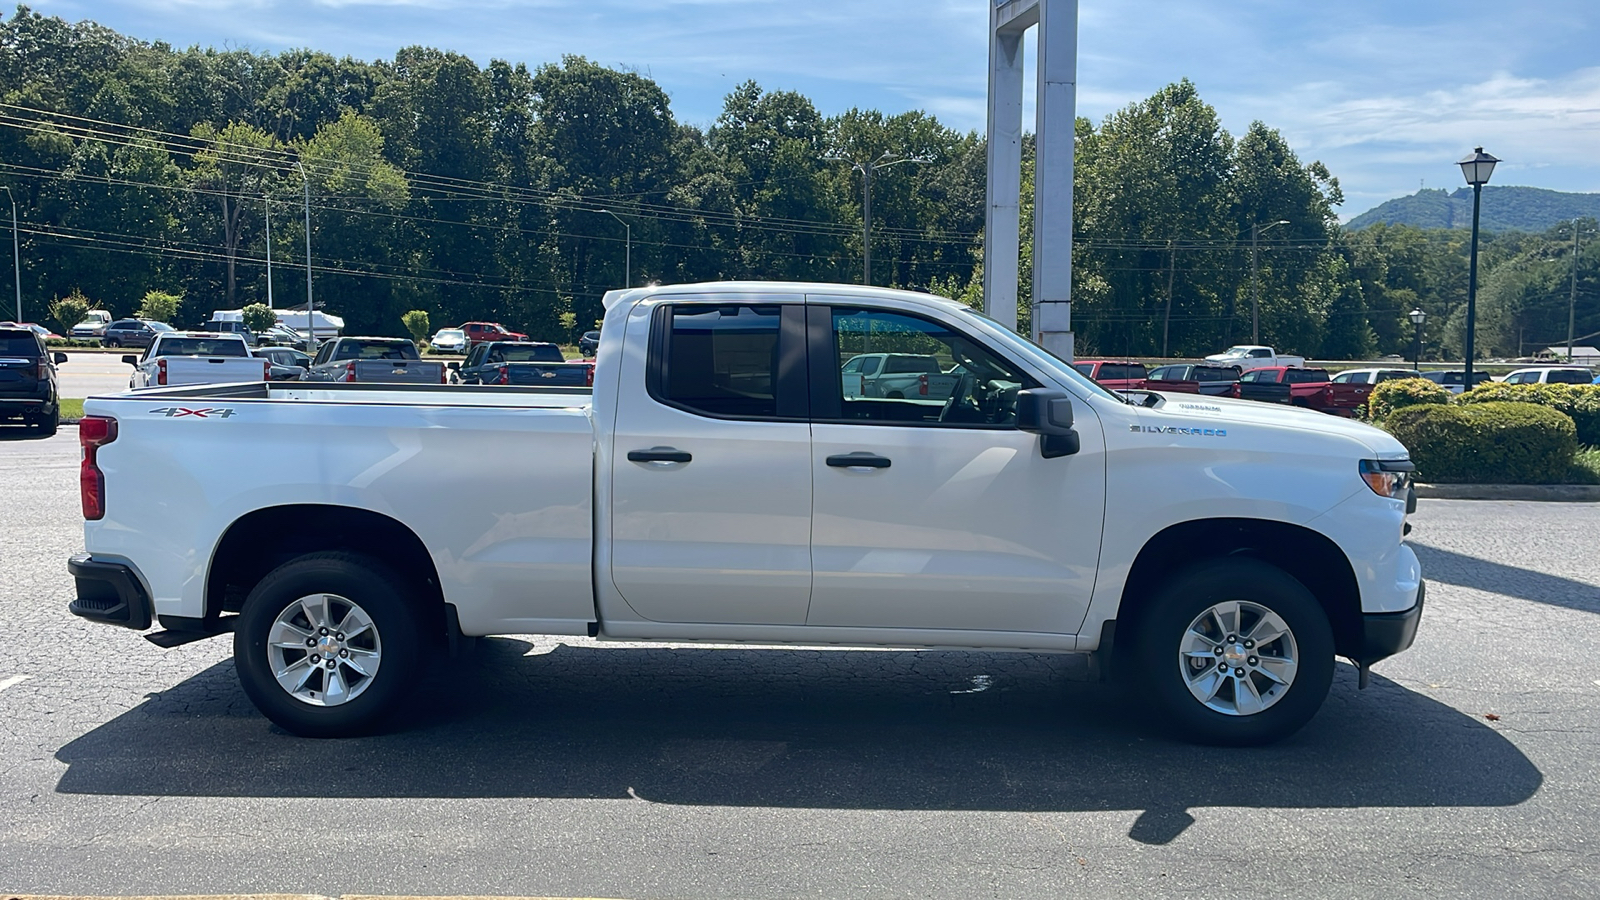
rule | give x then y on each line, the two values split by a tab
108	592
1385	634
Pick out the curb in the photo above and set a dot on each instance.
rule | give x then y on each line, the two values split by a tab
1543	493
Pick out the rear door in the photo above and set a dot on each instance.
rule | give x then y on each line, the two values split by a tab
710	462
940	514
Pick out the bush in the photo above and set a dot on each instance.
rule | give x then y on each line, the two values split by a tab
258	317
1487	443
1581	402
416	322
1398	393
160	306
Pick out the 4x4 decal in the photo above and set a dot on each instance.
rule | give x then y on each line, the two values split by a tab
178	412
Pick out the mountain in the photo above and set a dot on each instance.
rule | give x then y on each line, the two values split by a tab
1504	209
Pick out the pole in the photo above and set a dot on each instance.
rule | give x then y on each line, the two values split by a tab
1472	286
1172	269
627	251
1255	288
866	224
1572	298
16	253
1416	353
311	310
267	205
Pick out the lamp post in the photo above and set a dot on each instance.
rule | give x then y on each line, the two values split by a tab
627	252
1476	169
16	253
866	169
1417	317
1255	282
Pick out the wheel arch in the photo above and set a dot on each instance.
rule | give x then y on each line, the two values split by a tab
266	538
1311	557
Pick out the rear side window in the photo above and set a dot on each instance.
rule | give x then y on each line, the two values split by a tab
719	360
23	344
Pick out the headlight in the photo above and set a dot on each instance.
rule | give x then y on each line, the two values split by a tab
1388	477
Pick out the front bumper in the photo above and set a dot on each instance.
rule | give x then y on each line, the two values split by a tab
108	592
1385	634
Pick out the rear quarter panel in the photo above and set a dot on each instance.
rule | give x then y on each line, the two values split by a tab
501	497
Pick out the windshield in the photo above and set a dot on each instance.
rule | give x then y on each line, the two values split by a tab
527	353
450	333
159	326
391	350
1044	359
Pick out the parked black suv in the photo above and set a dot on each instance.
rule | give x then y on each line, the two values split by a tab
132	333
29	392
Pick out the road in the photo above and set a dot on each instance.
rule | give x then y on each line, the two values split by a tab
564	767
87	373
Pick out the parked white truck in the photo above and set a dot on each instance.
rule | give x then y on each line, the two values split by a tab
719	483
195	357
1245	357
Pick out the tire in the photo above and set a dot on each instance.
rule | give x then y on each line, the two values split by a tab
48	427
316	597
114	343
894	395
1176	659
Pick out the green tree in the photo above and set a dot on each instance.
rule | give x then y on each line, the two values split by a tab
159	306
416	323
69	310
258	317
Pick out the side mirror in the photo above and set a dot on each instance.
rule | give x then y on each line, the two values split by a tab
131	360
59	358
1047	412
453	366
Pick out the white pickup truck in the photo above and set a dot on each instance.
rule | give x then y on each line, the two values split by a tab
195	357
718	484
1245	357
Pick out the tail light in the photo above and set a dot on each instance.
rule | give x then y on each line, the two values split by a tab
505	375
94	432
44	368
588	376
922	385
266	371
161	371
350	371
442	379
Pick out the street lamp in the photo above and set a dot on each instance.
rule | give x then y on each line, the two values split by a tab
311	308
1255	282
627	257
16	254
1417	317
1476	169
1572	298
866	169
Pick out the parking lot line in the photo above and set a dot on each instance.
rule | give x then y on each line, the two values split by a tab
13	681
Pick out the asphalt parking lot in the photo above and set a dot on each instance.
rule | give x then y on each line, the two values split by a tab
87	373
1470	768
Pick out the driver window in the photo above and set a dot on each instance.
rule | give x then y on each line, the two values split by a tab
930	374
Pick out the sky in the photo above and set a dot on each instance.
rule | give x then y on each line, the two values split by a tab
1388	93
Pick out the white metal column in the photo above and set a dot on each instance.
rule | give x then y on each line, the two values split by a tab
1056	113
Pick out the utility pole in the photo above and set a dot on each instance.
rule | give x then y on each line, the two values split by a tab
266	204
1172	269
1572	298
866	169
1255	281
627	253
16	252
311	311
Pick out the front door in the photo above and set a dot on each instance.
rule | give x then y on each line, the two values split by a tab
710	472
933	511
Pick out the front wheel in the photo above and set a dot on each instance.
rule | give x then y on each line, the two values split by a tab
1234	652
329	644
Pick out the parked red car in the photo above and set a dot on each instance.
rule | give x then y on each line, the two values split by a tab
1311	388
479	332
1114	374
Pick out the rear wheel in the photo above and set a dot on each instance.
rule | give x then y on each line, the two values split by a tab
329	644
113	342
1234	652
49	426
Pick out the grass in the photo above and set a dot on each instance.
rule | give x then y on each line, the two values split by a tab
1585	467
71	409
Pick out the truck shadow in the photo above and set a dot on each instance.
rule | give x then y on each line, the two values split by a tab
880	730
1510	581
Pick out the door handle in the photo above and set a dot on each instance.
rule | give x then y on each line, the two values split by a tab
858	459
659	454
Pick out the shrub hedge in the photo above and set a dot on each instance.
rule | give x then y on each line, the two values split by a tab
1487	442
1398	393
1580	402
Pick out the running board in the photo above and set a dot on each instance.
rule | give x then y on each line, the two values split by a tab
187	631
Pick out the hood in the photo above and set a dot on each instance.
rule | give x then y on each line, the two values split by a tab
1212	411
